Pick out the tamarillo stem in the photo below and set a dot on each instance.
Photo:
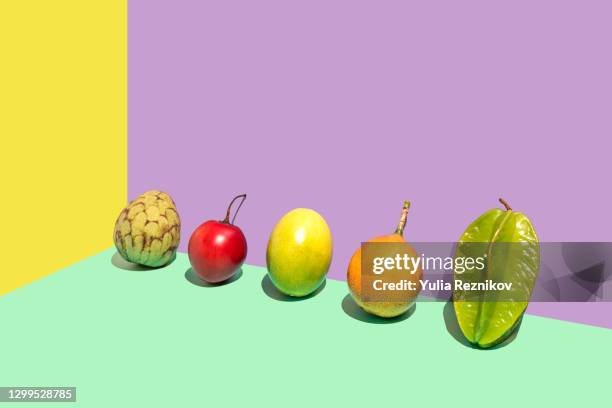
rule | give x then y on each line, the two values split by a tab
229	207
402	222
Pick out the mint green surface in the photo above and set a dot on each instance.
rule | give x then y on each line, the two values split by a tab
152	338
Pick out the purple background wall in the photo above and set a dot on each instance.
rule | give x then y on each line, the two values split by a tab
349	107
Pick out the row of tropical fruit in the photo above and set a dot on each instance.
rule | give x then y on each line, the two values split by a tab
299	253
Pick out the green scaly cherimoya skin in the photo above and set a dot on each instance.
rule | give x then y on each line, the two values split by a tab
486	321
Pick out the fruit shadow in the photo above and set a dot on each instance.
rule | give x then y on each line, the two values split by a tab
195	279
270	290
452	327
353	310
118	262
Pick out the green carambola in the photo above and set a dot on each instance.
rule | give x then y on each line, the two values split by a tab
508	243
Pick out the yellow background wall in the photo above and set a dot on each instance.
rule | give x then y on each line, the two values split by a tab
63	131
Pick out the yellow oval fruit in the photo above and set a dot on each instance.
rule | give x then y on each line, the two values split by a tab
299	252
148	230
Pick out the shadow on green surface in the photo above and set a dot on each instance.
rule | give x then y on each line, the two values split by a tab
269	289
118	262
195	279
452	327
353	310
